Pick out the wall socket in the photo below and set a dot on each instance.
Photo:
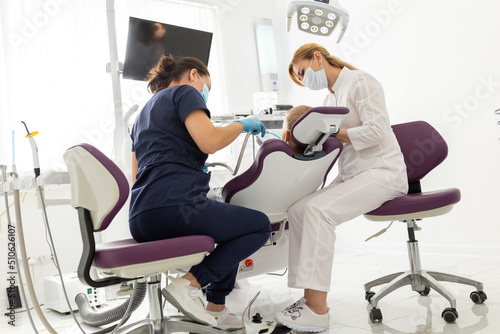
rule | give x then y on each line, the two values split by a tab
33	259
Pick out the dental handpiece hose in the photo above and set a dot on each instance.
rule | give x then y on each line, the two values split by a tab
4	179
24	263
9	221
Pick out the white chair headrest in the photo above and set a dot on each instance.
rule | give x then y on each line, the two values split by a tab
316	125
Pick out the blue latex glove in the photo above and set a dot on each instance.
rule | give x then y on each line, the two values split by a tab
253	125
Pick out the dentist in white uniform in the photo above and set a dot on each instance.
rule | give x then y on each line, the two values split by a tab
371	172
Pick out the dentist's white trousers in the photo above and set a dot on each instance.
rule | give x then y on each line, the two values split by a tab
312	223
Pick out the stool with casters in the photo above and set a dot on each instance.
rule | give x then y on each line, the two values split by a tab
423	149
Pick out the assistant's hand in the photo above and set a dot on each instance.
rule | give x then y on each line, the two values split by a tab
253	125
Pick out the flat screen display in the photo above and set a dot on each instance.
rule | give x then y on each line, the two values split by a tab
148	40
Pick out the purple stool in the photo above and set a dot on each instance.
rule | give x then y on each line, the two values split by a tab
423	149
99	190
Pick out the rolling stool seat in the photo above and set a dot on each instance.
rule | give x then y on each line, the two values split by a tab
421	205
129	259
423	149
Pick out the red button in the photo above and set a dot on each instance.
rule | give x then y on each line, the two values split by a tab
248	263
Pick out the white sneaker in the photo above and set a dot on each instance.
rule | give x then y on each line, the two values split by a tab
226	320
188	300
299	316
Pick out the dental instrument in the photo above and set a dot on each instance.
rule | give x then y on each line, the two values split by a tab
240	156
318	17
273	134
245	310
238	163
34	150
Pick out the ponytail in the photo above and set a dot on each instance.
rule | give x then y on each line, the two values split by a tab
306	51
168	70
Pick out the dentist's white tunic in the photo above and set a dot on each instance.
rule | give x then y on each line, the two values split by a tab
371	172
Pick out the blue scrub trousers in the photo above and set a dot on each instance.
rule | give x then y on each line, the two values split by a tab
238	232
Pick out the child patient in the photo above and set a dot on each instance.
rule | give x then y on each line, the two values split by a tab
291	117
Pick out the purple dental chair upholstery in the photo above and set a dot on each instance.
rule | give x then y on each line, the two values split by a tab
279	177
99	190
423	149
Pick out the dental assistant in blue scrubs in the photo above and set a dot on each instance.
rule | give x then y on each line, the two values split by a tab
171	139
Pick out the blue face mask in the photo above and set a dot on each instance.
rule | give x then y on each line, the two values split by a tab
315	80
204	90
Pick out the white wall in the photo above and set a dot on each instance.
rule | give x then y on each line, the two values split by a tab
438	62
240	51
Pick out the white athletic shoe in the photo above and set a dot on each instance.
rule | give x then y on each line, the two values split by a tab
188	300
299	316
226	320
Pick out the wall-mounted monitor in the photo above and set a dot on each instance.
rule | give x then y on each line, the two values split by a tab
148	40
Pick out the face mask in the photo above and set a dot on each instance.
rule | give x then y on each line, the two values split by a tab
315	80
204	90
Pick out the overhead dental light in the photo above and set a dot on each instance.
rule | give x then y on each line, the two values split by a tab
318	17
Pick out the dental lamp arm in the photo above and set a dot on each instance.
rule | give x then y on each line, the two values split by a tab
292	8
344	22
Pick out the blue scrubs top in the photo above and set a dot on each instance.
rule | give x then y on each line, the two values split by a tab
170	163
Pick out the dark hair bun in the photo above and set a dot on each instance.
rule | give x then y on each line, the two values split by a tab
169	69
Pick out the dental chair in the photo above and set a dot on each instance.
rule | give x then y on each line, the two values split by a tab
423	149
279	177
99	190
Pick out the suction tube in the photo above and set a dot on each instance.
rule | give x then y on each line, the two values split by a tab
95	318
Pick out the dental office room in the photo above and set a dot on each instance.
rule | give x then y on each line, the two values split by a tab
341	156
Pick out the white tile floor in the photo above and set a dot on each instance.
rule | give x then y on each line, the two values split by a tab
404	311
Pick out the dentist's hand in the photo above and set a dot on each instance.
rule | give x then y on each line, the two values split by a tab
253	125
